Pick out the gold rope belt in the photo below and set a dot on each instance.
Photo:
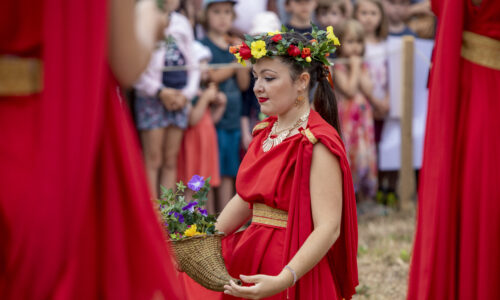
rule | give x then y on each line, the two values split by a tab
263	214
481	50
20	76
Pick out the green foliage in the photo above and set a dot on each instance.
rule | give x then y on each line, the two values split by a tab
178	214
321	45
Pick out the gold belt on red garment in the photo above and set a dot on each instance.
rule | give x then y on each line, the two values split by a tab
20	76
263	214
481	50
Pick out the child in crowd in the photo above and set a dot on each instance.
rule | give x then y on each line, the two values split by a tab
199	153
301	12
397	11
353	89
371	14
219	16
330	13
163	100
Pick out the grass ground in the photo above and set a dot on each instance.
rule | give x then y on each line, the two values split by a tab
385	245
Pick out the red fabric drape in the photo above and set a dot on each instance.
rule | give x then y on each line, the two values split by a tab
78	222
456	250
342	256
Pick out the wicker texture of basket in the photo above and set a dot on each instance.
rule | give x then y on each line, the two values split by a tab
201	258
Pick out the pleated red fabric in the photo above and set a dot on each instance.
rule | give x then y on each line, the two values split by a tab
280	178
76	219
457	247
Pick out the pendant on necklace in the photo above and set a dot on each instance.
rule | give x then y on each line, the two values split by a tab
274	140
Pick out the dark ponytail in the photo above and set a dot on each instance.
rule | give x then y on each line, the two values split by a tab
325	103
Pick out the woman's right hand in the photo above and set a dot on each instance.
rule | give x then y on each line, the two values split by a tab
264	286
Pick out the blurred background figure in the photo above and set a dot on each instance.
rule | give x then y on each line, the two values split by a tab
76	217
247	12
301	15
330	13
397	12
199	153
218	20
371	14
163	100
353	88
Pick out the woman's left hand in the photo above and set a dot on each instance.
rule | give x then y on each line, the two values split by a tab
264	286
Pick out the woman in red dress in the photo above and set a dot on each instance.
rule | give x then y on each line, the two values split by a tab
457	243
76	219
295	184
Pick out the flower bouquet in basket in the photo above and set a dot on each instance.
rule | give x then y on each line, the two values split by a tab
192	234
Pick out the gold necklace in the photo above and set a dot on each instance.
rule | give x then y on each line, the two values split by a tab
276	138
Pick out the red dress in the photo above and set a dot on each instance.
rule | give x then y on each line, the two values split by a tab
457	243
76	220
199	153
280	179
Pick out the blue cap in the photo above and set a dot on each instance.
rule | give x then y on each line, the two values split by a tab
208	2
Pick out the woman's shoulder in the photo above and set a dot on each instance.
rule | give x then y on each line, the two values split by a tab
319	130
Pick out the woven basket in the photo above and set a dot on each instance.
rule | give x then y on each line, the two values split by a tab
201	258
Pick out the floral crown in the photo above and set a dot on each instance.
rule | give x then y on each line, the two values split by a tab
282	44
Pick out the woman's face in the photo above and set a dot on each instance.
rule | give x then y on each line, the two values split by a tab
351	45
220	17
274	87
369	15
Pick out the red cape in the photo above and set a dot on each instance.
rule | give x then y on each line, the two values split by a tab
342	255
457	246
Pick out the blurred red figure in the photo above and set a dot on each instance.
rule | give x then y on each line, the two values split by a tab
457	245
76	220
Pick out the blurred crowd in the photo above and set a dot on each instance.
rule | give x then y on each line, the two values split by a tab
195	109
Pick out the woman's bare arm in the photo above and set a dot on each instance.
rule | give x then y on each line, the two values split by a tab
133	32
235	214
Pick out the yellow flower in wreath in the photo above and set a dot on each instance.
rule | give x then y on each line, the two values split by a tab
331	36
240	60
258	49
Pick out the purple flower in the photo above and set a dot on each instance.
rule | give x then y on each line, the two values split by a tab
196	183
190	206
203	212
179	217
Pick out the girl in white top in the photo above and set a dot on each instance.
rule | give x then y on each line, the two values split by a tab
371	15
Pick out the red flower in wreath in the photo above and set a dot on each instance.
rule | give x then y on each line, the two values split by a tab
306	52
293	50
245	51
276	38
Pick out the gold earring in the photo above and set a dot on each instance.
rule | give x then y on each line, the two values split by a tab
299	100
